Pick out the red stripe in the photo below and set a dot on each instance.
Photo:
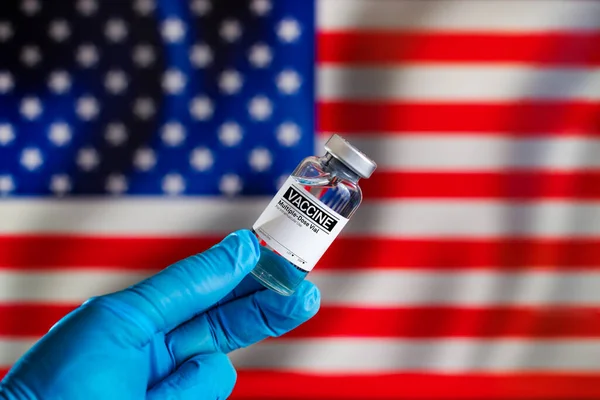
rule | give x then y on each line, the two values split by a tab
436	322
119	254
393	47
504	253
531	118
34	320
33	252
295	386
508	185
277	385
30	320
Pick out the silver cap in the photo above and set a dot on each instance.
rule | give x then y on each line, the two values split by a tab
354	159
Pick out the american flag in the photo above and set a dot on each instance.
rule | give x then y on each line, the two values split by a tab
136	133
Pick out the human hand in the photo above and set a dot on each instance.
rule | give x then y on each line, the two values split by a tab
165	337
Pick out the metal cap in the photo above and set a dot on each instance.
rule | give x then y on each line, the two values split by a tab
354	159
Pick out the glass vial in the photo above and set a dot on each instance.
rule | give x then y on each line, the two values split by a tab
307	214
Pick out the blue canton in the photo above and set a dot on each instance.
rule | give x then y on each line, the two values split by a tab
151	97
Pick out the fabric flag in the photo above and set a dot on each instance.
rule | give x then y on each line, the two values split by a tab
136	133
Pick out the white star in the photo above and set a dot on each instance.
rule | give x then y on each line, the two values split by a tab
201	55
280	181
260	7
144	108
60	184
230	134
59	30
87	108
144	7
31	158
173	30
260	108
31	107
31	56
87	55
144	159
230	82
59	82
260	159
201	159
288	30
230	184
260	55
7	134
31	7
201	108
115	134
116	30
200	7
7	184
288	134
143	55
173	81
288	82
173	134
6	31
59	133
231	30
173	184
87	7
116	81
6	82
116	184
88	159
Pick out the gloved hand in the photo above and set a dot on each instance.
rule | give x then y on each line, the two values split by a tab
165	337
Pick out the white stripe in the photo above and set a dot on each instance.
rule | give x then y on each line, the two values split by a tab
459	15
138	216
372	288
72	287
461	218
473	152
12	349
452	83
338	355
397	218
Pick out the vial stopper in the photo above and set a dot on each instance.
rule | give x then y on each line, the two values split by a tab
356	160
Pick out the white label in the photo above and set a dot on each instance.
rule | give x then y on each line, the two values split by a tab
298	226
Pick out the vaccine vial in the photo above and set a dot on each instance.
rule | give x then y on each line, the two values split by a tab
308	212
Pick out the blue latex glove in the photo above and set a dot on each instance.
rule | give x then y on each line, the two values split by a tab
163	338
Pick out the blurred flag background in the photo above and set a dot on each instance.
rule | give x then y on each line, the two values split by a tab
136	133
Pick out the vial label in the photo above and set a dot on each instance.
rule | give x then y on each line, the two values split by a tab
298	226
